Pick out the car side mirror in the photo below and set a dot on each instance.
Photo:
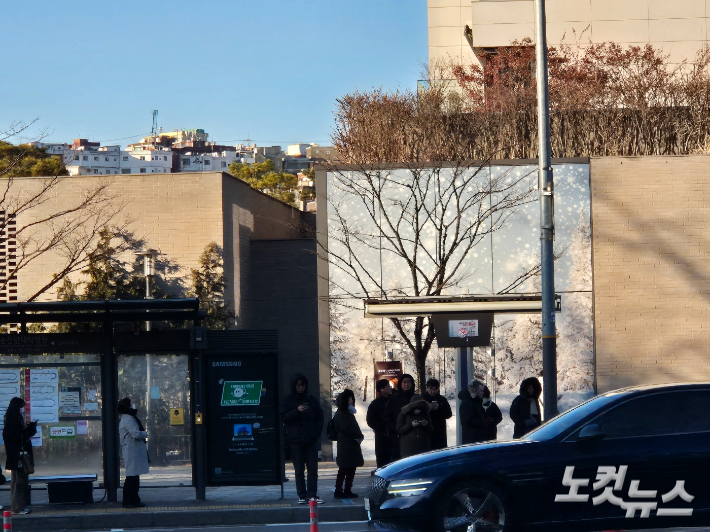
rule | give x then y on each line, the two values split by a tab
591	432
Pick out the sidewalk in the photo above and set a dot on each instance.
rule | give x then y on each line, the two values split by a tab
176	506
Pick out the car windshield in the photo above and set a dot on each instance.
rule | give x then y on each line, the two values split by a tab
558	424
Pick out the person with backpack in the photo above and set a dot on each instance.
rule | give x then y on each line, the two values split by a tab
302	418
376	421
349	437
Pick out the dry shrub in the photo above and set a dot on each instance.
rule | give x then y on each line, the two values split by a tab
604	100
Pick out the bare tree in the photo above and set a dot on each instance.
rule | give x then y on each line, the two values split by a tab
425	215
34	222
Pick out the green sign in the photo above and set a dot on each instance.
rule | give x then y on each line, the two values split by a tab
241	393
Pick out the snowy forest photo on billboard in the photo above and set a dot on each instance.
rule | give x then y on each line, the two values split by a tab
455	230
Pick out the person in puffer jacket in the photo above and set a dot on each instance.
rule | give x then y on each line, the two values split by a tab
414	427
525	410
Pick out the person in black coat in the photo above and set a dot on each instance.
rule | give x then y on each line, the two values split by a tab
440	412
376	421
472	416
405	391
493	415
349	439
414	427
302	417
525	410
16	435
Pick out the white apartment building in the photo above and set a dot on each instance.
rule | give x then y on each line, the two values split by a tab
108	160
208	162
465	30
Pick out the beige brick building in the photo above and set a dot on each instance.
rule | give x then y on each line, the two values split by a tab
177	214
679	28
651	266
269	251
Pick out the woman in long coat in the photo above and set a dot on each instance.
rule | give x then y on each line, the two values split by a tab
414	427
135	453
16	435
349	438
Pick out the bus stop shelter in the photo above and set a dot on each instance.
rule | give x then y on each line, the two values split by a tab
462	322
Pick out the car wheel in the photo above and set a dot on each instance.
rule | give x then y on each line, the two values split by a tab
472	507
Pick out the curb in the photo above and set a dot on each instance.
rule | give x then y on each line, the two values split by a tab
190	517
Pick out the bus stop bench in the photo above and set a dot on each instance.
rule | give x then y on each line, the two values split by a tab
70	488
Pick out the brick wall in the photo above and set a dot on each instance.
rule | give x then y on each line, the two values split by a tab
178	214
651	263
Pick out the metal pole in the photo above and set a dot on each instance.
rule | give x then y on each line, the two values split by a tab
149	380
547	217
464	368
197	399
109	417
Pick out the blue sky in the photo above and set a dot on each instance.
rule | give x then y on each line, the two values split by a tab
269	70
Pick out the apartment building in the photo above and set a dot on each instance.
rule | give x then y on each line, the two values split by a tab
465	30
90	158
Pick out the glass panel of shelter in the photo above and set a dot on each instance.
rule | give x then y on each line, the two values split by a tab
64	394
167	418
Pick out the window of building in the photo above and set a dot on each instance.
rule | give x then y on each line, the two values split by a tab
143	171
165	157
224	164
76	157
165	171
142	157
125	170
186	162
125	157
207	162
96	158
96	171
105	158
86	158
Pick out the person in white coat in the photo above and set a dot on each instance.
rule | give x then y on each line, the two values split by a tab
135	454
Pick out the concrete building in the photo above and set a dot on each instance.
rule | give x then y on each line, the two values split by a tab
268	250
297	150
465	30
323	153
89	158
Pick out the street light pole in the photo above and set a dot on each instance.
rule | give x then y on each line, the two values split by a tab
148	270
547	217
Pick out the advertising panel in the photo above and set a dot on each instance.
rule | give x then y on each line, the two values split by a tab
242	419
463	330
391	371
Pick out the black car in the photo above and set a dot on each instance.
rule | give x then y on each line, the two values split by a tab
632	458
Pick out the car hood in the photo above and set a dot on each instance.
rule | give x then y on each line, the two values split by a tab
425	461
